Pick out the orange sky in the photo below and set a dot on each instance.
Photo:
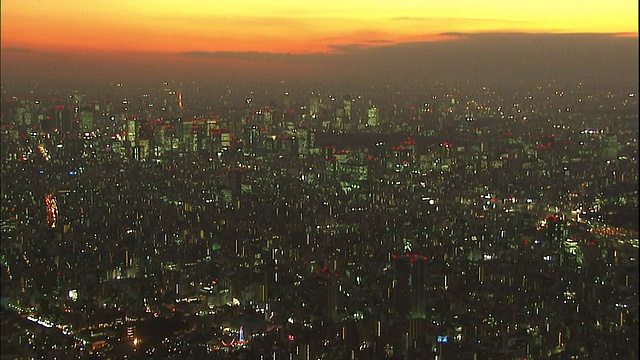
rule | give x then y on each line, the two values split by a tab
160	26
314	40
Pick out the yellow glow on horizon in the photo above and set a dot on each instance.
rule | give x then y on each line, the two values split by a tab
288	26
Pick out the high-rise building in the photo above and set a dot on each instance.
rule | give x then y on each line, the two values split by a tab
315	103
131	130
556	232
373	116
346	106
86	120
411	280
610	147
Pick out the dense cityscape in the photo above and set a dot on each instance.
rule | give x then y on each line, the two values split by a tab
295	222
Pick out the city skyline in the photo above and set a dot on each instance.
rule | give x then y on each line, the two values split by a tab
415	222
51	41
306	180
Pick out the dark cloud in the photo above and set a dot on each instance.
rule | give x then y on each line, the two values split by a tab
485	57
504	57
17	49
244	55
347	48
379	41
23	50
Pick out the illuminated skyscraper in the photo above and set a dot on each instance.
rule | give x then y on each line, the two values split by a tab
86	120
557	231
610	147
346	105
131	130
411	278
314	105
373	116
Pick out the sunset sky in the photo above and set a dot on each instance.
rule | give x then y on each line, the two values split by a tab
44	35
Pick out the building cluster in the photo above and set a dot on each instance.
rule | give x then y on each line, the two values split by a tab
418	222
